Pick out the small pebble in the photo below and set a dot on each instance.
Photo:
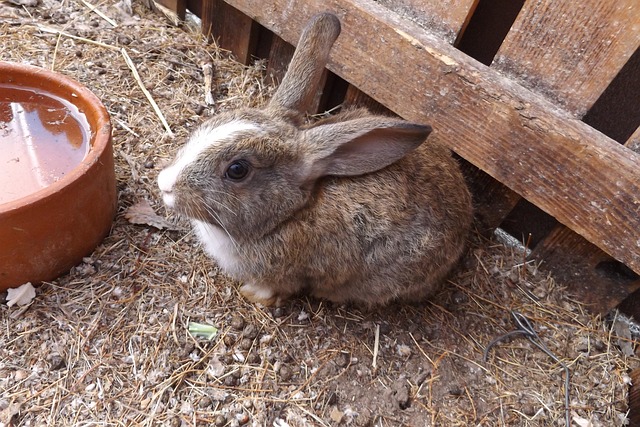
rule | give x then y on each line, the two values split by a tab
250	331
253	359
205	402
285	373
455	390
237	323
342	359
149	164
242	418
21	375
220	421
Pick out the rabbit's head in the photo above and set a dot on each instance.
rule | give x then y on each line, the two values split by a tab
248	171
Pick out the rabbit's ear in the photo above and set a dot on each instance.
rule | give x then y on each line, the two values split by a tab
300	83
360	146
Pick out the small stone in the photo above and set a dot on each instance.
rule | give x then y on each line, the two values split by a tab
220	421
21	375
144	404
237	323
336	415
242	418
253	359
247	404
149	164
229	340
246	344
455	390
285	373
459	298
205	402
250	331
123	39
56	362
528	410
342	359
230	381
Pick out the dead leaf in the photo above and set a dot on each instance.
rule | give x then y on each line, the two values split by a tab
7	414
143	214
622	330
21	295
582	422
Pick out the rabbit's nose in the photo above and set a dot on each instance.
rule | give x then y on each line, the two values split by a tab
166	180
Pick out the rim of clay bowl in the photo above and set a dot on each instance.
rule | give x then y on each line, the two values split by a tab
55	83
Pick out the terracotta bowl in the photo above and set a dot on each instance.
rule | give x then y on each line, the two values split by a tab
45	233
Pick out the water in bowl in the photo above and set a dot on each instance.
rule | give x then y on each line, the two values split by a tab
42	138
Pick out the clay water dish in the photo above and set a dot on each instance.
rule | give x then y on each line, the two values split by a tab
57	179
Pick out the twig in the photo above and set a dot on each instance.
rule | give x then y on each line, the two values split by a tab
55	53
376	344
71	36
207	70
132	67
95	10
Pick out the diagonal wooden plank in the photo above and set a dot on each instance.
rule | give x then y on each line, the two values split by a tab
587	181
570	51
445	18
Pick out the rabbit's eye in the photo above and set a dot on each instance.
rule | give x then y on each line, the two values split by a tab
237	170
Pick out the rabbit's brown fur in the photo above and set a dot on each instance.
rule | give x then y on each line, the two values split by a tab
352	208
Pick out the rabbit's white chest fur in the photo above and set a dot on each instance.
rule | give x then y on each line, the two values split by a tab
217	244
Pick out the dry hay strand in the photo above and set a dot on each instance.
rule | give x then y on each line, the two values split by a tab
108	343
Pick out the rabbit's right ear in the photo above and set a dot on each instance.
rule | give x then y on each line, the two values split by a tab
359	146
300	83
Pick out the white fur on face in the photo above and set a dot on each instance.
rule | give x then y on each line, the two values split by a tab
217	244
201	139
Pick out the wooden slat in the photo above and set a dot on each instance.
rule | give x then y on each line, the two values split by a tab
584	179
179	7
279	57
446	18
233	30
634	142
574	262
584	269
570	51
634	398
572	259
356	98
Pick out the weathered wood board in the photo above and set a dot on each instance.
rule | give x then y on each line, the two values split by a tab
232	29
447	18
584	179
570	51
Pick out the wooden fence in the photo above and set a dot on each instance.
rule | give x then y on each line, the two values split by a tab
516	88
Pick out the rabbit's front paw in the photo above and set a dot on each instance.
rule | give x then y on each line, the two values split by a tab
260	294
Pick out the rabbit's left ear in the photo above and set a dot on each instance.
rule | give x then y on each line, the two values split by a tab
299	85
360	146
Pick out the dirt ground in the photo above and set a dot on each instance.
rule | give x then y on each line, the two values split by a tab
107	344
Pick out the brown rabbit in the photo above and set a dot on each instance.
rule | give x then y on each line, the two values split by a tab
353	208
